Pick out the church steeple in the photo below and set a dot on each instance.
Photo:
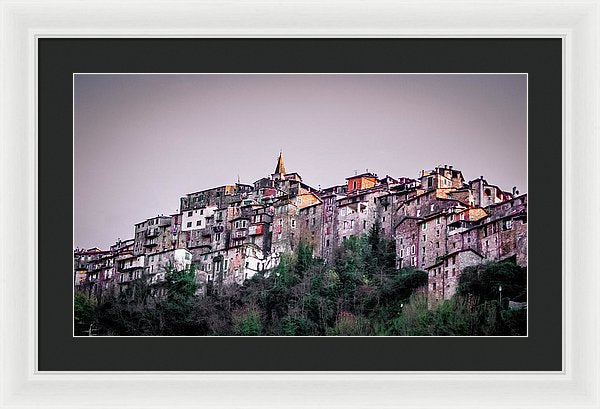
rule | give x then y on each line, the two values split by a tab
280	169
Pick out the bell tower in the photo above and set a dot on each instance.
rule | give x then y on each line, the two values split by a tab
279	173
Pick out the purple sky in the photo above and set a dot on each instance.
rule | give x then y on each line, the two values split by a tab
143	141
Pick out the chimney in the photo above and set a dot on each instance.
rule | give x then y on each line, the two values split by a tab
481	177
450	167
514	190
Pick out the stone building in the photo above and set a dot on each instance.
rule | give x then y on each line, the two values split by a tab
85	274
443	276
448	225
153	235
438	222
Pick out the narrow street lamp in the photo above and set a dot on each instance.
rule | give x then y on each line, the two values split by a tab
500	291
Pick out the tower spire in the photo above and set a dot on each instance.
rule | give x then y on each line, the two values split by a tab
280	168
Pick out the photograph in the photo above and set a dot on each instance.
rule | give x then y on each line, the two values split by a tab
300	205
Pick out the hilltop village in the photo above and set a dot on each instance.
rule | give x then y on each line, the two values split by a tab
440	224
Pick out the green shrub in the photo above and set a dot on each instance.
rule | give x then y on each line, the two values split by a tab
247	323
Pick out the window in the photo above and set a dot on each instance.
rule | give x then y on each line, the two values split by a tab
401	253
313	221
418	213
199	222
365	226
218	237
293	223
351	224
354	185
432	207
437	221
190	214
507	224
383	218
413	249
327	243
201	211
424	226
437	233
437	244
424	237
433	286
299	200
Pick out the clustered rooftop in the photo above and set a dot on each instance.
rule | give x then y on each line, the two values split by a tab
439	222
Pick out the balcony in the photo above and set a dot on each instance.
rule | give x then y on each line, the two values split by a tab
240	233
196	244
256	230
150	243
153	232
134	266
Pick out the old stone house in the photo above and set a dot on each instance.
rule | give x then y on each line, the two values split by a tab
438	222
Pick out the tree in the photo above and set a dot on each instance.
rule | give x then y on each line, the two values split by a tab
483	281
247	323
84	311
181	287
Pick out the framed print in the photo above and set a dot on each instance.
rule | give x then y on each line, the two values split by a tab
382	263
382	210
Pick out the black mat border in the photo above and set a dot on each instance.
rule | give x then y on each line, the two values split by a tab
58	58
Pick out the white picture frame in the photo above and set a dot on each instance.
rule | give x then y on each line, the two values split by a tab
577	23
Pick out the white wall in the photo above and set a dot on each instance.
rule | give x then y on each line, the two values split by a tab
197	215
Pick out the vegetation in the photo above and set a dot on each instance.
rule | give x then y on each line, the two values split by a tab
359	293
